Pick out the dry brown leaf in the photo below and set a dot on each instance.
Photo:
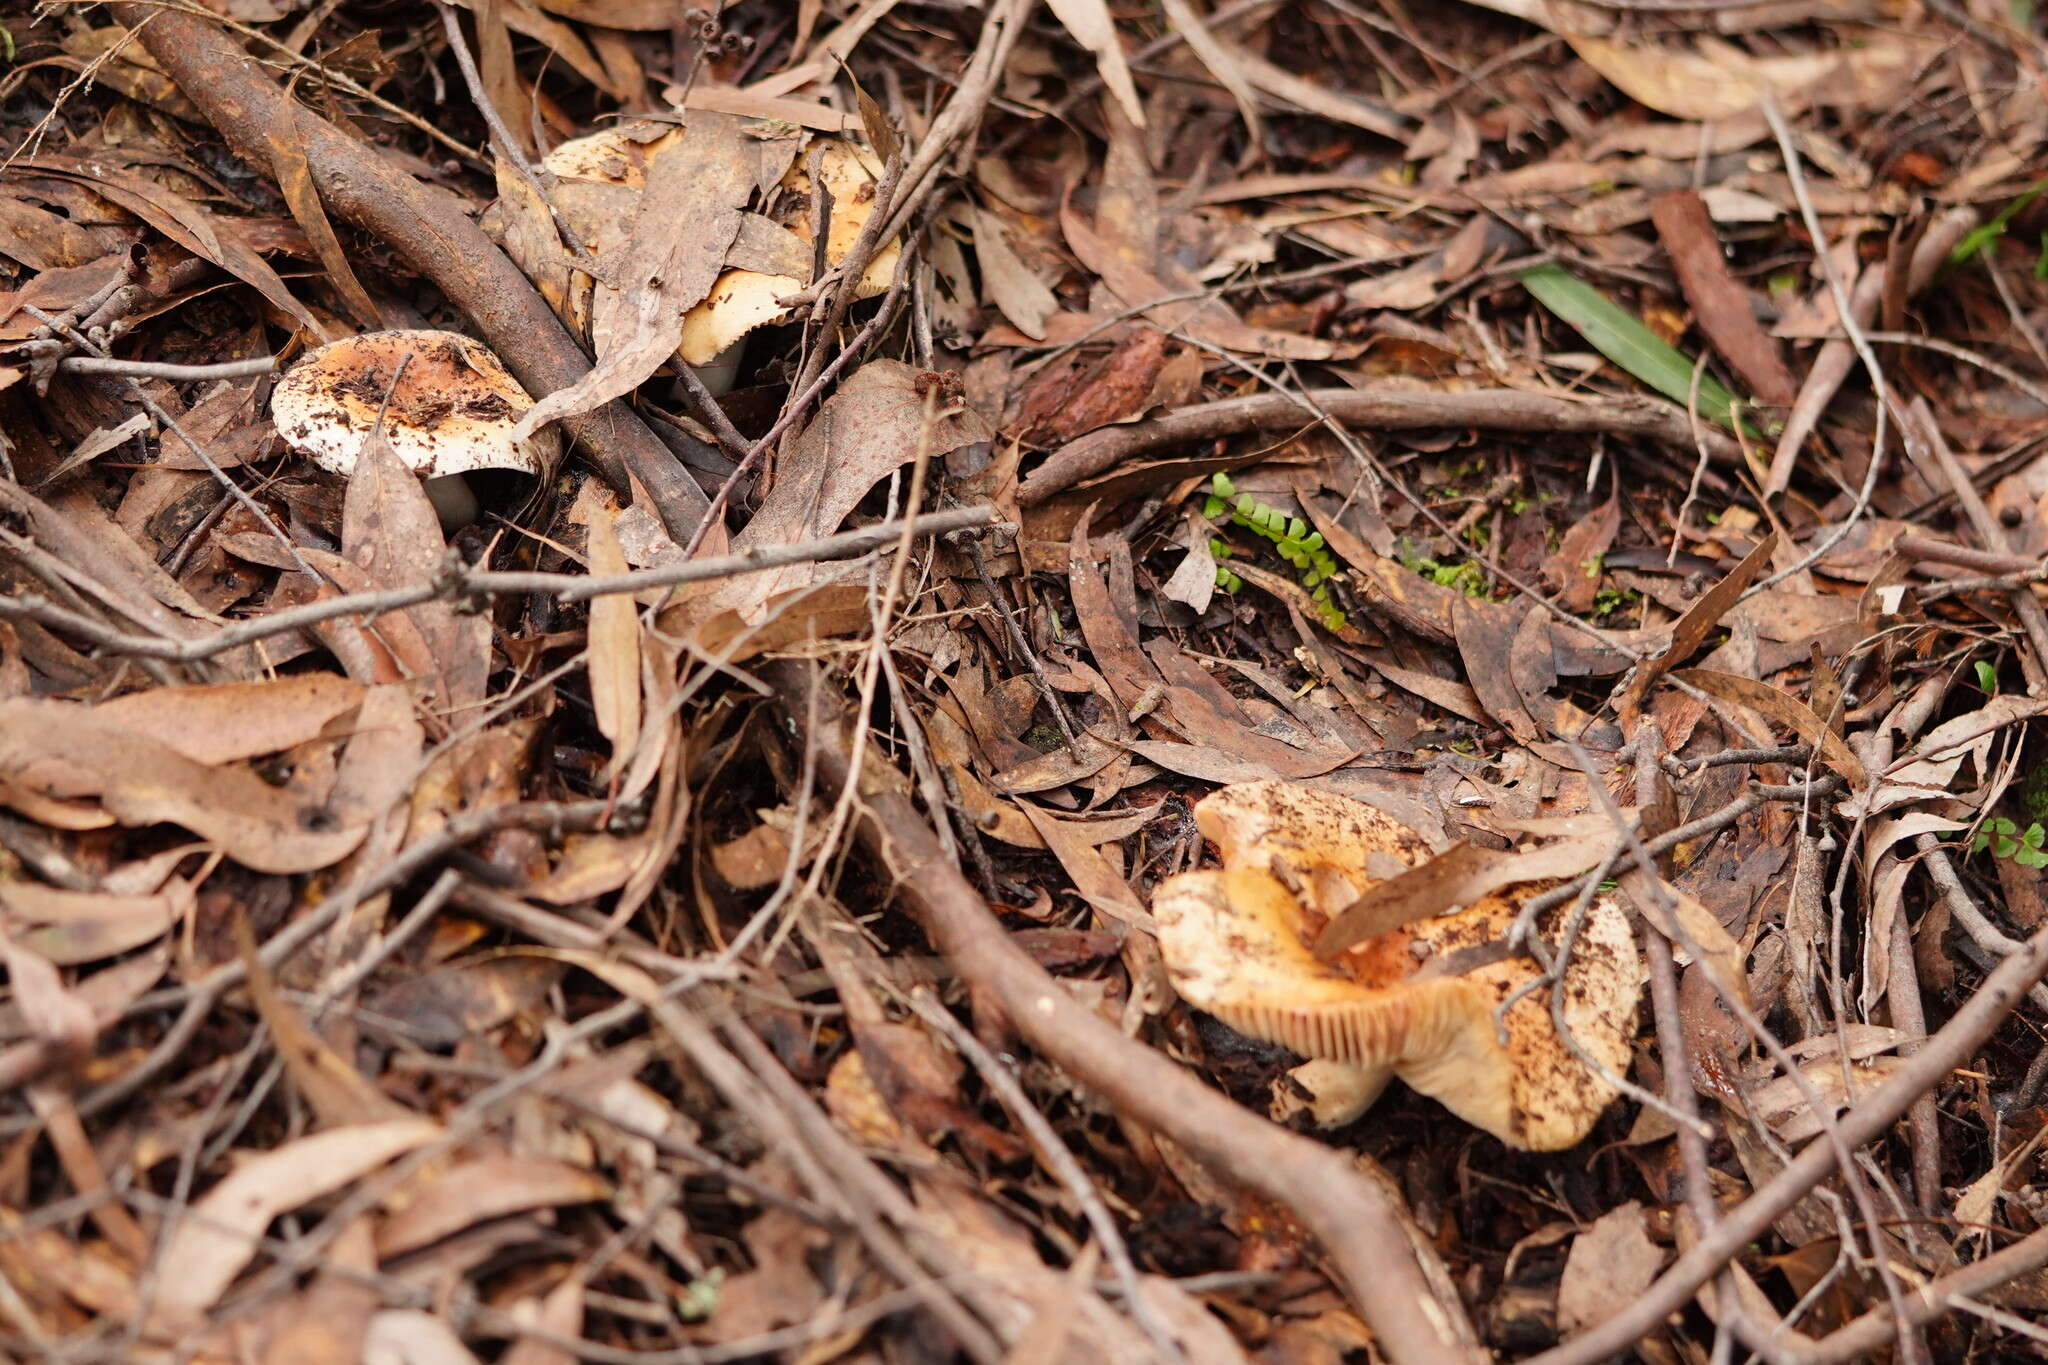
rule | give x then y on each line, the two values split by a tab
336	1092
1702	616
330	1319
70	927
1458	876
413	1336
1100	884
489	1187
181	220
1786	710
1575	567
207	1250
440	1008
1023	297
58	751
1717	80
614	635
392	535
295	182
1090	23
227	722
1609	1265
561	1313
685	218
874	424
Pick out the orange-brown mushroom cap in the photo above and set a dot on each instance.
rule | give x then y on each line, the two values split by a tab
1236	944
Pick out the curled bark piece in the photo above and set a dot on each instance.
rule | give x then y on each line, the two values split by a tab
430	232
1353	1218
1387	409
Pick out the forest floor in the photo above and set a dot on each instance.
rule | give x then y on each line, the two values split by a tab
1552	495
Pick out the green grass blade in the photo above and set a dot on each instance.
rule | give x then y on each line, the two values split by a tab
1621	336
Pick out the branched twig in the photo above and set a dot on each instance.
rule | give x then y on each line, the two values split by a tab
1386	408
1971	1025
459	583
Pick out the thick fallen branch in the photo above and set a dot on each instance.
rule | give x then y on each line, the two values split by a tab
1385	408
1947	1049
1351	1217
460	583
430	231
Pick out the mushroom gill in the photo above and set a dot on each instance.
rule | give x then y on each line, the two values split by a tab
1237	944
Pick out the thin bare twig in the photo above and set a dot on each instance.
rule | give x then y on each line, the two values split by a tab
458	583
163	369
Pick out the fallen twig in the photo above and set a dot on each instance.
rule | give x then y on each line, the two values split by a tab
459	583
1387	408
158	369
1350	1216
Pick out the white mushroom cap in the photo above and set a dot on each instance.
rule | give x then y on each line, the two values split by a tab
1236	943
451	411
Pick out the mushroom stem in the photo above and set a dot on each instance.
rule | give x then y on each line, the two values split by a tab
454	502
718	374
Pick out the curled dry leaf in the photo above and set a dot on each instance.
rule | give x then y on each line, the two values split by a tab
476	1191
70	927
207	1250
1718	80
1236	943
614	635
227	722
53	750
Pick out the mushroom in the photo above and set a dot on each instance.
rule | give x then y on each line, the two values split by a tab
1237	944
597	181
449	410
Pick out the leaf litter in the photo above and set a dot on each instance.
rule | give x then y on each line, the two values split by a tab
1604	441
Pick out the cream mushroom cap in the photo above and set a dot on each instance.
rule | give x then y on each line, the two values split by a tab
451	411
1236	944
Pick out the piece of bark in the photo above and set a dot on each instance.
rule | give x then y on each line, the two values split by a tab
1720	304
432	233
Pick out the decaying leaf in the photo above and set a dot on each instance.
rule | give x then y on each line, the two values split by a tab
210	1248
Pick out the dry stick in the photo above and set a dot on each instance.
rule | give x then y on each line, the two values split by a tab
1963	556
1387	408
503	142
1868	1334
877	1203
1348	1215
158	369
1058	1159
1679	1092
1949	1048
430	230
463	582
2033	620
961	117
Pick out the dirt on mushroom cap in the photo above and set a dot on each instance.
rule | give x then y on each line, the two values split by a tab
451	410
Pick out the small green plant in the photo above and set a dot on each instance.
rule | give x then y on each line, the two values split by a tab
1987	679
1291	537
1983	236
1608	601
2007	840
1459	575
